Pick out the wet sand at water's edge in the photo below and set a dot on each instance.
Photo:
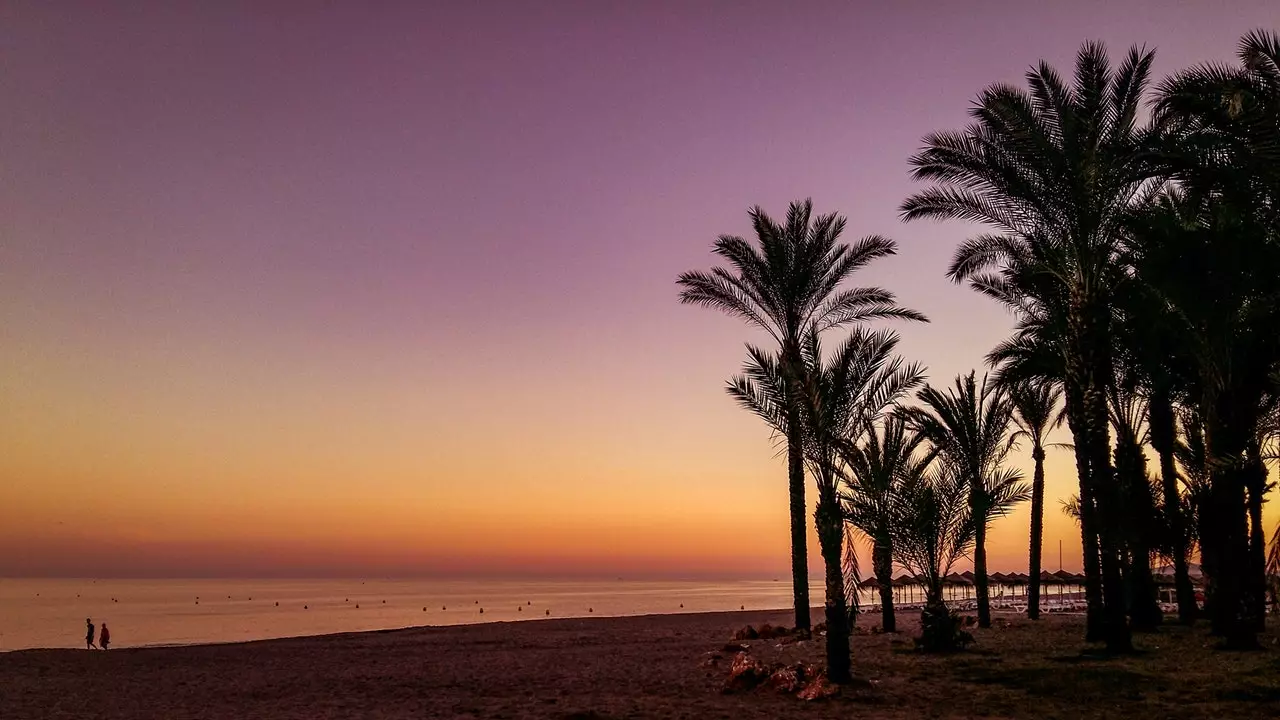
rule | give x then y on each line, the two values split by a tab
650	666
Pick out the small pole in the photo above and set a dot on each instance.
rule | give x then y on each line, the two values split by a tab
1059	555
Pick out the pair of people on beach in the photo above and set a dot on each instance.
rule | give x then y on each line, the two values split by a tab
104	639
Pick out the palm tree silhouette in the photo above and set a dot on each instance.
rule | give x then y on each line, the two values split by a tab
876	467
787	283
839	398
1051	170
970	426
1035	413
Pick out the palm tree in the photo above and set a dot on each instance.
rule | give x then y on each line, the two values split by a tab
1051	170
970	426
1035	406
934	527
888	456
1128	417
1220	142
839	397
785	283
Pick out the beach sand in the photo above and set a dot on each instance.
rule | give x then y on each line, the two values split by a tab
650	666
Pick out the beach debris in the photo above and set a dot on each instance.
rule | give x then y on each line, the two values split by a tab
819	688
711	659
744	674
734	647
746	633
787	679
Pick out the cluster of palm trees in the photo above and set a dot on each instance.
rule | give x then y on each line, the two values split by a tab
1141	260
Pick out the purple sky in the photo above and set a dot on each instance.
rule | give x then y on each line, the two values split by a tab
448	231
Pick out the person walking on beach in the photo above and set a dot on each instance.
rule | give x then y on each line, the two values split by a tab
104	638
88	636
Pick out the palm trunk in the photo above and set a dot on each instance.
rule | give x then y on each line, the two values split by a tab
1037	531
799	524
1089	369
1131	475
1257	574
1231	607
980	575
882	558
1164	431
1094	613
830	524
1117	636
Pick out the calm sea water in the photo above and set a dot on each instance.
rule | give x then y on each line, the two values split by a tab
50	613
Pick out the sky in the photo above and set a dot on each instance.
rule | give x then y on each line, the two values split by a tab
389	289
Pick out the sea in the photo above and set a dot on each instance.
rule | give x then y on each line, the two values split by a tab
51	613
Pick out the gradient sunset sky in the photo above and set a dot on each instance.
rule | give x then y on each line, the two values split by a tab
317	289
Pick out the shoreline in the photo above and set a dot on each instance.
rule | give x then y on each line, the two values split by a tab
816	612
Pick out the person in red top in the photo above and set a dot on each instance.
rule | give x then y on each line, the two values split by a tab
104	638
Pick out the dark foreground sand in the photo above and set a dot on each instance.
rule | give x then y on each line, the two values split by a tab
635	668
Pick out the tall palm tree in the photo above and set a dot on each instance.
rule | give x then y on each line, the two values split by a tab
888	456
1051	170
786	282
970	426
843	397
1220	141
1155	360
1035	413
839	397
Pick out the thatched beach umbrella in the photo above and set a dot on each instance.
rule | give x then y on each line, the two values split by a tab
908	585
955	580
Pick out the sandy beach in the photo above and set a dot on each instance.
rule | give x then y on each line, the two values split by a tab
650	666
